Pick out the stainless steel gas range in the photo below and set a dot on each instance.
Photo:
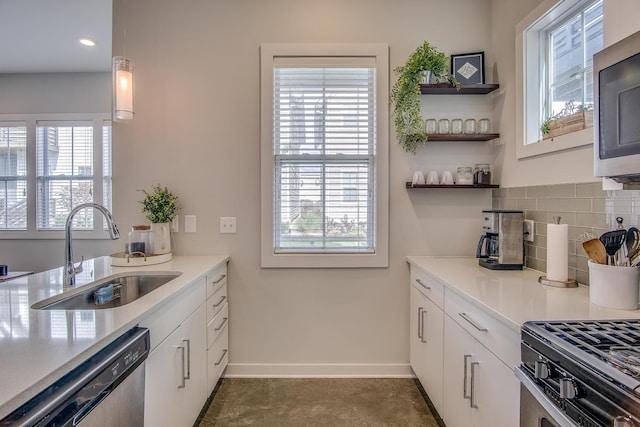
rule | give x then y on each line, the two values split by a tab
580	373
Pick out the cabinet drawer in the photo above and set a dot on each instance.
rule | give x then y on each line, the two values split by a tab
489	331
428	286
216	301
217	359
217	325
165	320
215	279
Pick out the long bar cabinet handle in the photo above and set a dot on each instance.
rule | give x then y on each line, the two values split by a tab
184	382
466	317
224	297
224	321
465	378
224	352
472	401
422	322
219	279
423	285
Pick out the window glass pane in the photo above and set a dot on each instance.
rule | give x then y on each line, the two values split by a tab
65	174
324	145
571	48
13	177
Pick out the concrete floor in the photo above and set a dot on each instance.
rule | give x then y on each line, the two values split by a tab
318	402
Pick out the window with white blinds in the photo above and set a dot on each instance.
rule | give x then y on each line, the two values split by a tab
65	173
13	176
50	163
324	155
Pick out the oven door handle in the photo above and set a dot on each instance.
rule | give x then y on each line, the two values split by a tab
558	416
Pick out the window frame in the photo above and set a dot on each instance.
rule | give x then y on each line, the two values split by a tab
98	120
379	257
530	48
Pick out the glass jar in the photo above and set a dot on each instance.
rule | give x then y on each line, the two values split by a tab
484	126
443	126
464	176
482	174
456	126
470	126
430	126
140	241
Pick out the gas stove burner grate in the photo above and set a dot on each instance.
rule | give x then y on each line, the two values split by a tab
616	342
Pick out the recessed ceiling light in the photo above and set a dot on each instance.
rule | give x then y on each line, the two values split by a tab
87	41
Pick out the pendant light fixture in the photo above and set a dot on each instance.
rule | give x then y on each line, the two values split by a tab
122	74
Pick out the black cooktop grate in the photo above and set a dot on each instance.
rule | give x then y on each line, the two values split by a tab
616	342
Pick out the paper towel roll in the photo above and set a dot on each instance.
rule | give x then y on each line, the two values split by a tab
558	252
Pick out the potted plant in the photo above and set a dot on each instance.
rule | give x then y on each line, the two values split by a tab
570	119
406	91
160	207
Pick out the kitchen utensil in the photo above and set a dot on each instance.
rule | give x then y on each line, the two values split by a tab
595	250
632	240
613	241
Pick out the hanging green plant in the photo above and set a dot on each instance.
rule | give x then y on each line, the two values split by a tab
405	94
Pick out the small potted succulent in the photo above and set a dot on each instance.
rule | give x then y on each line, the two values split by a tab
160	207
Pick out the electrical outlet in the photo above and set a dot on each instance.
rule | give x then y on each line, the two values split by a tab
528	230
175	224
189	223
227	224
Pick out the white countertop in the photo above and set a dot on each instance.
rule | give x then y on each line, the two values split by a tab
39	346
515	297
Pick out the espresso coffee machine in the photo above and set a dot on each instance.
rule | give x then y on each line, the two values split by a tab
501	246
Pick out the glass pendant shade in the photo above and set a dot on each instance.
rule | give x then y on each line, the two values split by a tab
122	74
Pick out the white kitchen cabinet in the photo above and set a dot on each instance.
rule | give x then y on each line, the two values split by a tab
426	339
175	384
479	388
217	326
176	369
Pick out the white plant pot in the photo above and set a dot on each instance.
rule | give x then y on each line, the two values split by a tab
161	238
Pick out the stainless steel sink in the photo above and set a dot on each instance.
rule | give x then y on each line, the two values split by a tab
110	292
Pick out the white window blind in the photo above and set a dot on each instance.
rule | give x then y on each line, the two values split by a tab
324	142
107	174
64	173
13	176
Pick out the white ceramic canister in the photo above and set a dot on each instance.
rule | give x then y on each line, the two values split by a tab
614	286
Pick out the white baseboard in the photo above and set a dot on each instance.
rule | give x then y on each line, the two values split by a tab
251	370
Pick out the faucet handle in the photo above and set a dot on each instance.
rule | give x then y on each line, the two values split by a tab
78	269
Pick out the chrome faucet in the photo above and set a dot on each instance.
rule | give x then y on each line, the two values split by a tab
70	270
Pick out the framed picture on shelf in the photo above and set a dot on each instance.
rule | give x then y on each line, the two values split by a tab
468	68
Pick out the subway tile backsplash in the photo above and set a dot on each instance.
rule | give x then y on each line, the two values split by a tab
589	211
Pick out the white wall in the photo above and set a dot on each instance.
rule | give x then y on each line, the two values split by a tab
196	130
570	166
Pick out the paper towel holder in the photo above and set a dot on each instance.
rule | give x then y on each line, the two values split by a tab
544	280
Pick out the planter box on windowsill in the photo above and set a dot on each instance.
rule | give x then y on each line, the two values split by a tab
574	122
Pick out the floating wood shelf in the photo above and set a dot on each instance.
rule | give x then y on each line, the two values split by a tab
449	89
410	185
462	136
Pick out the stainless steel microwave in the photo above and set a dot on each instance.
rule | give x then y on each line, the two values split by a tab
616	71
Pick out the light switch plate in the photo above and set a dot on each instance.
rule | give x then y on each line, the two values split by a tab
528	230
175	224
189	223
227	224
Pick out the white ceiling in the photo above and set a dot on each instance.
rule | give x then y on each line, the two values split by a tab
39	36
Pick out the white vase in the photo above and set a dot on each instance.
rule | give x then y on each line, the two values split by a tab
161	238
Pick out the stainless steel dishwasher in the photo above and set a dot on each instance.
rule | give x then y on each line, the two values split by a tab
106	390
